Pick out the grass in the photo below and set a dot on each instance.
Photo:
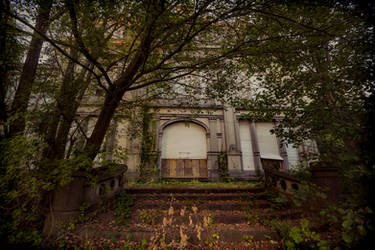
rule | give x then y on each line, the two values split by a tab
197	184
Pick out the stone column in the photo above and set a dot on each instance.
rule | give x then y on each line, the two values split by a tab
282	148
111	140
232	142
254	142
212	150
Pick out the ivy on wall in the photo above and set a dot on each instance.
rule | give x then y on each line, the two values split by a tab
148	156
222	165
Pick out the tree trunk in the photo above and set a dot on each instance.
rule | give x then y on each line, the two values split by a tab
3	65
65	99
22	95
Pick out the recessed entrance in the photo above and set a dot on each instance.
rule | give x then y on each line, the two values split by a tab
184	151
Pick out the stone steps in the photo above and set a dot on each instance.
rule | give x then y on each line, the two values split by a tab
217	216
192	189
200	196
202	213
207	217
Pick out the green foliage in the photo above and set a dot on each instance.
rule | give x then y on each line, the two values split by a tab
148	216
252	219
302	171
21	191
123	204
278	199
350	225
298	237
267	237
248	238
148	157
212	240
222	165
83	215
309	196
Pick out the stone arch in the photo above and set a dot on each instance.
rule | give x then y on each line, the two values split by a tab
170	122
184	149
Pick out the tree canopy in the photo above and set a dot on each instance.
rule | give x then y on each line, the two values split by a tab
308	62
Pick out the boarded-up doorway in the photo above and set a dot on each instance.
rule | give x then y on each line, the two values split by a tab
184	151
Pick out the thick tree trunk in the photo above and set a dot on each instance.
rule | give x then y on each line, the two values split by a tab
111	102
22	95
64	101
96	139
113	99
4	66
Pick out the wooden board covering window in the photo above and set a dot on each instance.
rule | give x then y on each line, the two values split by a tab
184	168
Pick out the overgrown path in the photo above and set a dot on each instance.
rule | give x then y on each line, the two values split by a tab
188	217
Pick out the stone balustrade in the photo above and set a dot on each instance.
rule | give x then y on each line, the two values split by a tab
280	179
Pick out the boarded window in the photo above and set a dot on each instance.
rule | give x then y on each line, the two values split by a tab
246	146
292	156
184	141
268	146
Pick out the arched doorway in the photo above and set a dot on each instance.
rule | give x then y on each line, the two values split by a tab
184	151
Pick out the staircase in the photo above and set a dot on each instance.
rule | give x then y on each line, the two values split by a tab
203	218
189	218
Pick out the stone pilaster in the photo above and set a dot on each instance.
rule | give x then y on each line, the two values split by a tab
255	146
232	141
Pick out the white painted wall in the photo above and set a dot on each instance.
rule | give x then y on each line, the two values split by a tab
246	147
184	141
268	145
292	156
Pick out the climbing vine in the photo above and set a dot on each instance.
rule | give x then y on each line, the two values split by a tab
222	165
148	156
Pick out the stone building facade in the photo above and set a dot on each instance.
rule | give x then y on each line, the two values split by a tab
187	143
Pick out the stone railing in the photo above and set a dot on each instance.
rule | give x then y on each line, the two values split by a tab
280	179
322	174
68	199
108	180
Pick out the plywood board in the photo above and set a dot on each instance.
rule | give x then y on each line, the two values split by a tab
172	168
188	170
203	168
165	168
195	168
180	168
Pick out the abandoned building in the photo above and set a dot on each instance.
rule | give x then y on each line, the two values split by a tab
186	144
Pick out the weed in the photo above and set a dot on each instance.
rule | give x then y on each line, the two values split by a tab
83	215
278	199
208	220
349	224
301	237
124	202
148	216
213	240
252	219
267	237
248	238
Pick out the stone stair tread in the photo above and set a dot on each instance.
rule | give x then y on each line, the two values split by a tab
233	233
239	195
219	205
230	213
217	216
218	189
197	203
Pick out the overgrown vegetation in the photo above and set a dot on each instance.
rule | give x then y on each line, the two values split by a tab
298	237
313	61
148	216
123	204
222	167
345	223
148	156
